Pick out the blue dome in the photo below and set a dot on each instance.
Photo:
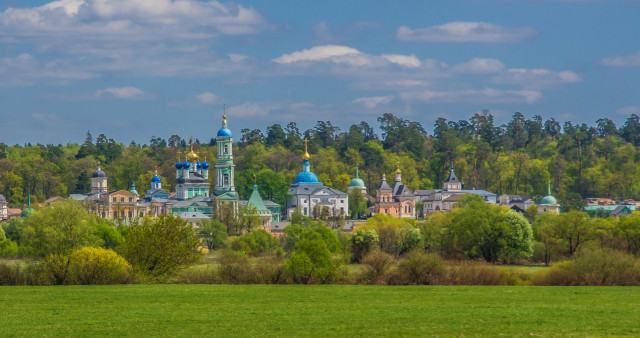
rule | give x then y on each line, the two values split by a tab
198	165
179	165
186	165
156	179
306	177
205	165
224	132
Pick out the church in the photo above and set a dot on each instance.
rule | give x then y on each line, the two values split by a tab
192	199
397	200
312	198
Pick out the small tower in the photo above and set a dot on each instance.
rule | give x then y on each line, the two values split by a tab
549	203
398	173
452	183
178	167
357	183
133	189
98	181
156	182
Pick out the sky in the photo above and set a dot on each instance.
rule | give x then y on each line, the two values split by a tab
133	69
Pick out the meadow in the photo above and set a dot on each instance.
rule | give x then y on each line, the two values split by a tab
318	310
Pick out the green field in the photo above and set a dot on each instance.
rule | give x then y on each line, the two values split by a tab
333	310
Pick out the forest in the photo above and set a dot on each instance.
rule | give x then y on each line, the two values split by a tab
518	157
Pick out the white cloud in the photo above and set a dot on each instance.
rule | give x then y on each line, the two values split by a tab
372	102
536	78
125	93
466	32
318	53
628	110
632	60
408	61
130	20
487	95
207	98
480	66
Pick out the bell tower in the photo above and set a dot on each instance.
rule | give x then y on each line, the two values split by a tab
224	160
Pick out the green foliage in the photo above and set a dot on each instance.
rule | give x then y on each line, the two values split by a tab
8	248
213	232
59	229
421	268
161	246
312	260
363	241
13	228
357	204
258	242
92	266
108	233
520	241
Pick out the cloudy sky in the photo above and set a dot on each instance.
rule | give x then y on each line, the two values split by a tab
135	68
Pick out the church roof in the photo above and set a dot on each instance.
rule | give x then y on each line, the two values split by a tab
452	176
224	132
549	199
312	189
98	173
194	177
256	200
357	182
399	189
384	185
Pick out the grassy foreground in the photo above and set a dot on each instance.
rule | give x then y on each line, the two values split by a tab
332	310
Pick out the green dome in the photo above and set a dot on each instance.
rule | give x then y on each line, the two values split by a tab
549	200
357	182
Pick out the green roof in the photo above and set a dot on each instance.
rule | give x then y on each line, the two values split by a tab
549	199
357	182
256	200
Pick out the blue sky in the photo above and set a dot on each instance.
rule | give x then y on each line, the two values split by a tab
133	69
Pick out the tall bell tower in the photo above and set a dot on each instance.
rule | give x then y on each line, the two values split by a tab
224	161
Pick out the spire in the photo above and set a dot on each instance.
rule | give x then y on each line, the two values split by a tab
29	194
357	173
548	188
306	155
224	116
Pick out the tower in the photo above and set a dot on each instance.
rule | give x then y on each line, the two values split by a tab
224	161
156	182
98	181
452	183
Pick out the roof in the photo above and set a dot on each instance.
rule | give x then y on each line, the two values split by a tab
224	132
98	173
399	189
3	199
621	210
256	200
452	176
193	215
194	177
52	199
384	185
424	192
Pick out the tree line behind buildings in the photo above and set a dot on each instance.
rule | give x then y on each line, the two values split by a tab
519	157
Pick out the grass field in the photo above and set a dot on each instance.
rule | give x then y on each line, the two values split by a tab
333	310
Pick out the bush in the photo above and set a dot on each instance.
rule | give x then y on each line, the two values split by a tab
474	273
362	242
11	274
376	267
160	247
300	267
257	242
8	248
234	268
198	274
419	268
594	268
95	266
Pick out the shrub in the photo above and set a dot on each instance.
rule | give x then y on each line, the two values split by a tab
257	242
94	266
474	273
271	270
420	268
11	274
595	267
362	242
234	268
8	248
159	247
300	267
376	267
198	274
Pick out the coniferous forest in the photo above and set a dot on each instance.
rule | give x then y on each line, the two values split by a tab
519	157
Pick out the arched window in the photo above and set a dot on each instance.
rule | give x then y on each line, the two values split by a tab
225	180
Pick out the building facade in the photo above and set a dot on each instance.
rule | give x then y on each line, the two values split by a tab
397	200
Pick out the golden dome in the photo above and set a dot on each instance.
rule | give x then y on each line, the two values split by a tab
192	156
398	171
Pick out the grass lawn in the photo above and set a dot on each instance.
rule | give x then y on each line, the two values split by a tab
332	310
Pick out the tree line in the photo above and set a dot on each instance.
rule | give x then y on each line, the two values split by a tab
521	156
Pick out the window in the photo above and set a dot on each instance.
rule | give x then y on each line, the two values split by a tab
305	210
226	149
341	201
130	214
115	199
130	199
141	213
225	180
121	199
122	213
